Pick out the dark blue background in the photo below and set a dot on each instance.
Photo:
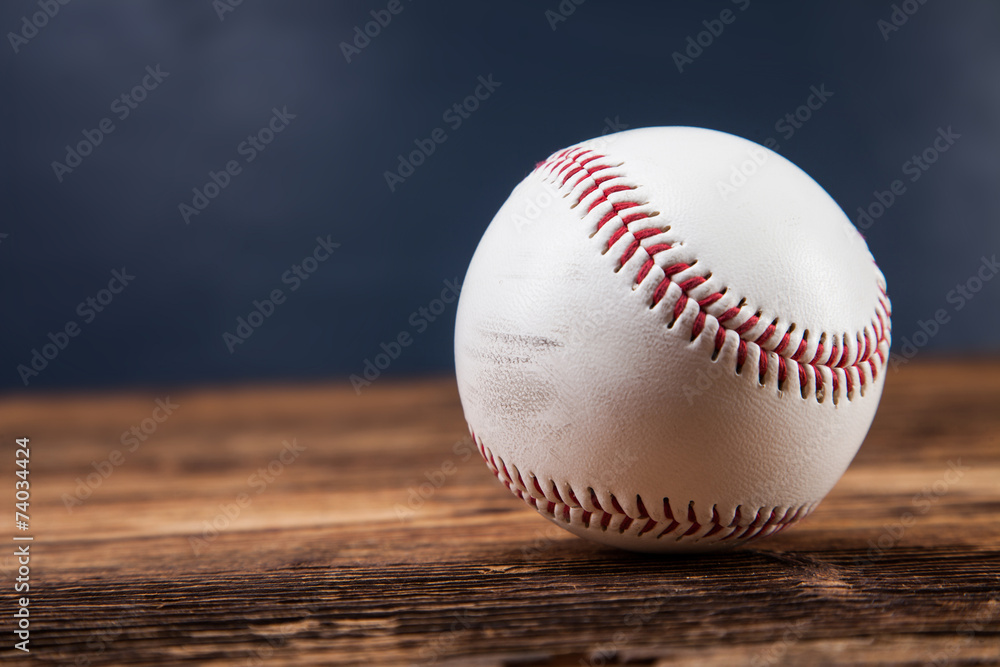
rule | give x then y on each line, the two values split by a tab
324	174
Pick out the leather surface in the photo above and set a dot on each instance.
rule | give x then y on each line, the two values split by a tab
568	375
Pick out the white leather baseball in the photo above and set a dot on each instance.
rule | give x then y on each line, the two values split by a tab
660	355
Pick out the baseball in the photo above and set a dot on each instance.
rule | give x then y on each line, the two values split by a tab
671	339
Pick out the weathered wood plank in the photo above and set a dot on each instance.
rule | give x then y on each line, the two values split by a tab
331	556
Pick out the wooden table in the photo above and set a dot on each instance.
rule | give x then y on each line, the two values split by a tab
378	536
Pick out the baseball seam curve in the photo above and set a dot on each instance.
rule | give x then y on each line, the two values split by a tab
680	526
849	368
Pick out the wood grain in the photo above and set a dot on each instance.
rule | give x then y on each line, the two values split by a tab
333	558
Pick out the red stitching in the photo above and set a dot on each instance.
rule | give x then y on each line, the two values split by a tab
699	324
674	269
593	500
764	337
661	290
720	338
617	235
688	530
783	344
691	283
653	249
565	165
710	299
748	325
682	301
646	266
728	315
818	355
716	526
838	355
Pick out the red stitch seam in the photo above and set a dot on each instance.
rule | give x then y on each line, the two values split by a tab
567	164
618	520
